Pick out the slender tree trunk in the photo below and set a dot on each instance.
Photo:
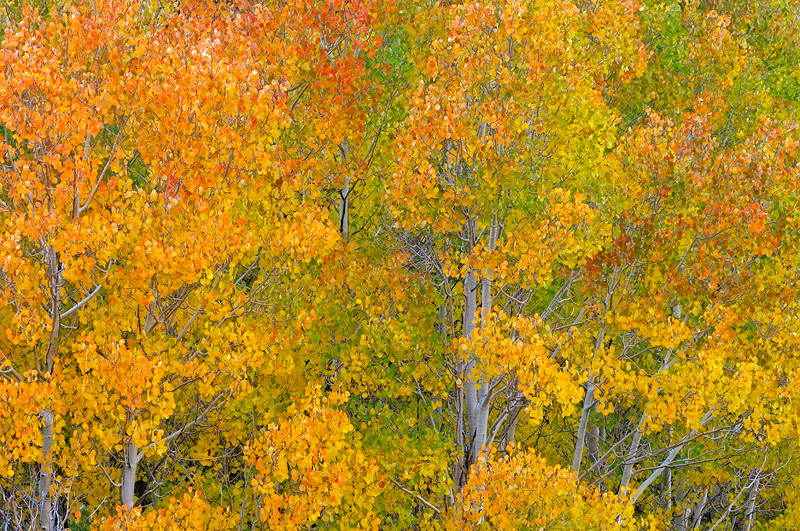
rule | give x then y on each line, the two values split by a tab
667	461
484	390
668	495
593	443
681	520
700	508
750	506
588	404
46	469
511	430
459	477
481	423
486	281
678	493
344	202
467	395
470	386
344	209
46	474
627	472
132	458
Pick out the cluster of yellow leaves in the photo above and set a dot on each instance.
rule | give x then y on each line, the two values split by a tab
189	513
141	153
514	346
518	81
308	467
21	404
124	393
521	491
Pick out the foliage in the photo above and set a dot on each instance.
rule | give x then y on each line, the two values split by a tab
399	264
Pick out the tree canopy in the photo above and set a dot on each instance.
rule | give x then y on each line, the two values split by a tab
399	264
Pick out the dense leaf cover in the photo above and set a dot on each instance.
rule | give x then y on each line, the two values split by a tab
399	264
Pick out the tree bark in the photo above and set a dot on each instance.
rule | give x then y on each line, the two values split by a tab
46	474
593	443
630	457
750	506
588	404
132	458
344	202
470	387
681	520
46	469
483	390
700	508
481	423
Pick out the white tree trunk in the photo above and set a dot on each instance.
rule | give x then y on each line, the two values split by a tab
46	468
668	460
46	474
344	209
700	508
750	506
483	387
588	403
627	472
681	520
593	443
470	386
511	430
344	202
132	458
481	424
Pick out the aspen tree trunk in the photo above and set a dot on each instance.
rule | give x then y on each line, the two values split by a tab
627	472
511	432
132	458
131	452
344	210
459	474
700	508
470	387
594	437
481	420
681	520
593	443
592	448
750	506
151	320
667	461
511	429
483	392
46	474
668	495
344	203
46	469
467	361
588	404
461	464
588	399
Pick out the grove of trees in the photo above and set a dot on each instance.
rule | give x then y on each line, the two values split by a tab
399	264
